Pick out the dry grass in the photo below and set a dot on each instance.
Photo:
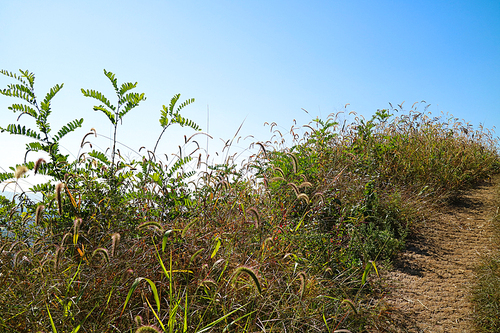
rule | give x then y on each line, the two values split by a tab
486	289
291	242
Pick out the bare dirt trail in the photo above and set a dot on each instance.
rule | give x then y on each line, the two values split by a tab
432	277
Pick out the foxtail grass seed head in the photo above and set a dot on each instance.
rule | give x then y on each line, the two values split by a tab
39	213
59	188
115	240
193	257
305	184
16	244
263	149
103	252
147	329
3	247
127	275
38	164
20	171
280	171
57	257
153	224
20	257
254	211
250	272
302	278
65	238
295	188
266	243
294	160
208	284
304	197
275	179
318	196
76	226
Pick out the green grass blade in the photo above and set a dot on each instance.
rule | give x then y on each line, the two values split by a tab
217	246
54	330
326	324
156	315
375	267
134	286
365	274
164	269
185	327
238	319
212	324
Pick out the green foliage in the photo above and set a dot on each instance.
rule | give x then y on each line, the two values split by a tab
171	115
295	238
126	102
44	141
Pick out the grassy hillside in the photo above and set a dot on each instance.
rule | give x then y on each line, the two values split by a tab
294	240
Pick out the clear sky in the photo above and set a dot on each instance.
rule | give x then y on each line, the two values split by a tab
251	61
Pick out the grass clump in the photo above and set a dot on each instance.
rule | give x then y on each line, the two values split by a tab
486	289
293	240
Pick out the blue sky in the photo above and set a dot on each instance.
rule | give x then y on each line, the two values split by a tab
251	61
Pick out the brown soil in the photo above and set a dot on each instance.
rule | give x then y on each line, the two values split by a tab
431	279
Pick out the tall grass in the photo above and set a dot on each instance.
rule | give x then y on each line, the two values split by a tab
486	288
293	241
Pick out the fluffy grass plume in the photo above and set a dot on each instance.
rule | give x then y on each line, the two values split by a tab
76	226
115	240
39	213
147	329
302	278
250	272
59	188
38	164
153	224
103	252
57	256
20	171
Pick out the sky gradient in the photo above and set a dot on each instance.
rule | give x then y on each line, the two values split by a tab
251	62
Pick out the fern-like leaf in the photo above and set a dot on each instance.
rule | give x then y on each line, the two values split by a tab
19	91
14	75
108	113
164	121
5	176
179	164
34	146
23	109
53	91
113	80
176	117
185	122
18	130
99	96
173	101
184	104
100	156
126	87
68	128
44	188
29	76
132	100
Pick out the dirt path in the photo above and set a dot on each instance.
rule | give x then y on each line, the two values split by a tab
432	276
